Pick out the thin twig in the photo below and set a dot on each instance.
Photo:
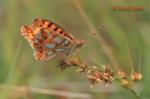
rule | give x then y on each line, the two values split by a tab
46	91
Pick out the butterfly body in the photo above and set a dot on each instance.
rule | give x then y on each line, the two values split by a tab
49	40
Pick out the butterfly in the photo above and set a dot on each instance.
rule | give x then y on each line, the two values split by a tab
49	40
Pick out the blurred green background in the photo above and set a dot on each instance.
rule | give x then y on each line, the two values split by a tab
19	68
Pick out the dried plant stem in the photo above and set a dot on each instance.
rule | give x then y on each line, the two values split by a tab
94	75
107	49
26	89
